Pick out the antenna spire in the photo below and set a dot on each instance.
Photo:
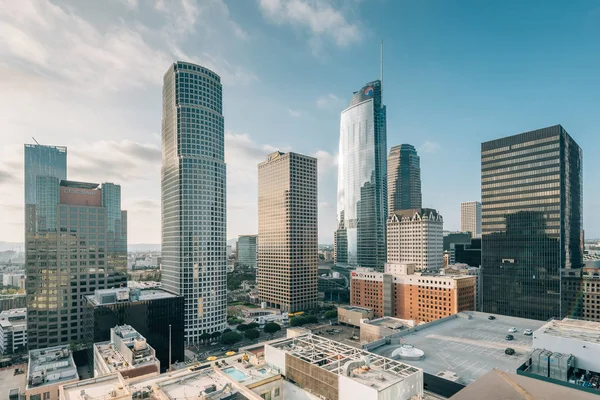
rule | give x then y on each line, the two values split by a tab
381	68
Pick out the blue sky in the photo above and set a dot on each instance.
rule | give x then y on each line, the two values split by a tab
88	75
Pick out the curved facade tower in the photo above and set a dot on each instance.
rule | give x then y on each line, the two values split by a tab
362	195
193	196
404	178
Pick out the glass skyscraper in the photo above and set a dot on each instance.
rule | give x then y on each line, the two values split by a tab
362	179
43	161
247	250
194	244
404	178
532	217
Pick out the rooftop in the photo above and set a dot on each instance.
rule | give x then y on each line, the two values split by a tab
10	381
128	350
121	295
105	387
356	308
50	366
585	331
465	346
14	313
391	323
332	356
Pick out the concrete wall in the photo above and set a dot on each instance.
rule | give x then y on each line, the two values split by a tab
275	358
410	386
587	354
350	389
352	317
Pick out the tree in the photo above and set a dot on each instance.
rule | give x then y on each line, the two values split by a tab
331	314
252	334
205	337
230	337
252	325
215	335
242	327
226	330
271	327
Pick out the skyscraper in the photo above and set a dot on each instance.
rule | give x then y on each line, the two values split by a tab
288	231
69	252
247	250
404	178
362	178
470	218
194	248
532	206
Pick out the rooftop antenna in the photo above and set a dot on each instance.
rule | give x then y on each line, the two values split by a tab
381	69
35	140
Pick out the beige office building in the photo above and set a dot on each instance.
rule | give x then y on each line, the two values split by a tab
287	231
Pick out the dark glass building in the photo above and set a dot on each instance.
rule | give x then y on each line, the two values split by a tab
532	207
148	311
404	178
469	254
362	181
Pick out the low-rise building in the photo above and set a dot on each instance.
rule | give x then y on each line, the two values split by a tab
372	330
127	352
49	369
591	293
13	331
411	296
109	387
335	371
352	315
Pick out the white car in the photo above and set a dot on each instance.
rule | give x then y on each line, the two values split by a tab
512	330
528	332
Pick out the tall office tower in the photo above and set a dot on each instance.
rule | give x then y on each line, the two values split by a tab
247	250
532	242
404	178
470	218
287	231
69	254
362	179
415	237
194	243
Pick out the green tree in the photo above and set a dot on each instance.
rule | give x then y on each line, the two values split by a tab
252	334
252	325
242	327
331	314
215	335
271	327
226	330
204	337
230	337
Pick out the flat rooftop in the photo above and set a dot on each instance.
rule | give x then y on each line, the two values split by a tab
356	308
9	381
574	329
104	387
390	323
333	356
50	366
125	295
467	348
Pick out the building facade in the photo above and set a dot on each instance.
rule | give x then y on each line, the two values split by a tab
532	208
417	297
416	237
404	178
247	250
470	218
153	313
288	231
193	191
591	294
68	254
362	179
13	331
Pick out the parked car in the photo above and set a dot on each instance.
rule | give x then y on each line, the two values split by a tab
509	337
528	332
512	330
509	351
491	317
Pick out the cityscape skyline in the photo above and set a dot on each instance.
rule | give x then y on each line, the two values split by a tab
123	126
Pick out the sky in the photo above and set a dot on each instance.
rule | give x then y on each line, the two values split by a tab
88	75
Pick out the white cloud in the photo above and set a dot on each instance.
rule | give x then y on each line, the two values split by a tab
326	162
319	17
294	113
131	4
429	147
330	102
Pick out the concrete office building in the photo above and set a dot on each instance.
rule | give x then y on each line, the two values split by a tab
13	331
415	237
73	247
126	352
362	178
404	294
404	178
247	251
532	216
48	369
470	218
193	191
591	294
287	231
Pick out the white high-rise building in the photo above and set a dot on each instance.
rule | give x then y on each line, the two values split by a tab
415	237
470	218
194	220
